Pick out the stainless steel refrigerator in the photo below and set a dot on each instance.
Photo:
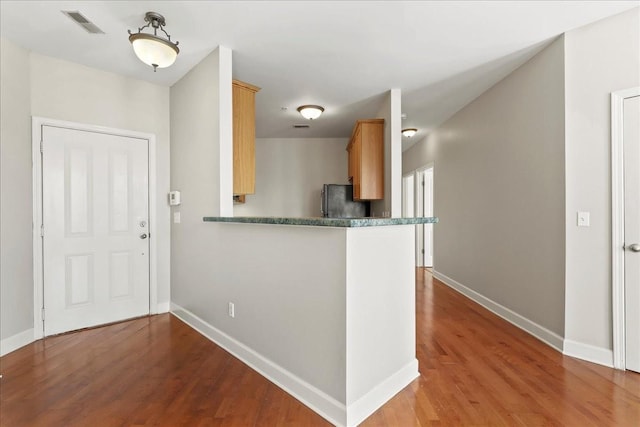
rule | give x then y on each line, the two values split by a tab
337	202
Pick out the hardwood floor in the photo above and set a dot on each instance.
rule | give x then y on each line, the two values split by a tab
476	369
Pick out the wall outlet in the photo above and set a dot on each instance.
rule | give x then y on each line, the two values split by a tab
232	310
583	219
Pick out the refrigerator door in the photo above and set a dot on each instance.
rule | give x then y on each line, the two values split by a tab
337	202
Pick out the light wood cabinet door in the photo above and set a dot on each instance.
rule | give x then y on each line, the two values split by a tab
366	159
354	157
350	162
357	165
244	137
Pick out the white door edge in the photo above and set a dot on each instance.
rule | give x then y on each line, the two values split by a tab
38	281
617	223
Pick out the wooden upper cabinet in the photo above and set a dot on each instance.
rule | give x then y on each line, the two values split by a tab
366	159
244	137
352	156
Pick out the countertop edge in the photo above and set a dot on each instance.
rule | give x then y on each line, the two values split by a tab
323	222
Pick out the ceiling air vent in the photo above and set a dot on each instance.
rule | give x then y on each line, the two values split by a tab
81	20
301	126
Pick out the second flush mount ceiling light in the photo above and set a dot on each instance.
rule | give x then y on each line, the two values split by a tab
152	49
310	112
409	132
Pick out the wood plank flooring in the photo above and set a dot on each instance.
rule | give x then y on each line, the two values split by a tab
476	369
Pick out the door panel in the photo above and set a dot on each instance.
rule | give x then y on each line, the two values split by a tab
95	209
78	191
78	280
119	167
631	138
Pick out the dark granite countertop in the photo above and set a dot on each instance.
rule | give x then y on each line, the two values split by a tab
322	222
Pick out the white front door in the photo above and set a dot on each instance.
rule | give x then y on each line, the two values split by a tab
631	140
96	223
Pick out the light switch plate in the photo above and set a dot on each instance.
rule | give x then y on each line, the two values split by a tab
583	219
232	309
176	217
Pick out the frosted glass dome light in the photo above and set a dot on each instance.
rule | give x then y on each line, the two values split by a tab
310	112
152	49
409	132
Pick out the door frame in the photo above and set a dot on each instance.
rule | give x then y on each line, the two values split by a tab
418	204
431	191
38	260
617	222
419	188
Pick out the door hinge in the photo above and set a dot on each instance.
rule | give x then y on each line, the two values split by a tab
41	230
422	250
41	147
43	314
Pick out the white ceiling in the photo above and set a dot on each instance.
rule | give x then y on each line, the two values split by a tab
343	55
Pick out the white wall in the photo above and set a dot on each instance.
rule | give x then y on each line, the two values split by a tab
197	150
282	313
600	58
67	91
290	173
16	252
424	150
499	192
380	300
36	85
391	112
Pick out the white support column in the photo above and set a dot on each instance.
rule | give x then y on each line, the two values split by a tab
225	130
395	153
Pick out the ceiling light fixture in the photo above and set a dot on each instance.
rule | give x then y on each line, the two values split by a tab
152	49
409	132
310	112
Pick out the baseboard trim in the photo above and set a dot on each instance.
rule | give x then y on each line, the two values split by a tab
321	403
588	352
16	341
358	411
543	334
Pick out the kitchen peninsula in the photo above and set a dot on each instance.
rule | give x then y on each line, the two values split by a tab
323	307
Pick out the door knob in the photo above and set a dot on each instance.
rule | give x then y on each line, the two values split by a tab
143	236
635	247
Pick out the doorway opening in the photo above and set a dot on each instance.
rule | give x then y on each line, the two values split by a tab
417	201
